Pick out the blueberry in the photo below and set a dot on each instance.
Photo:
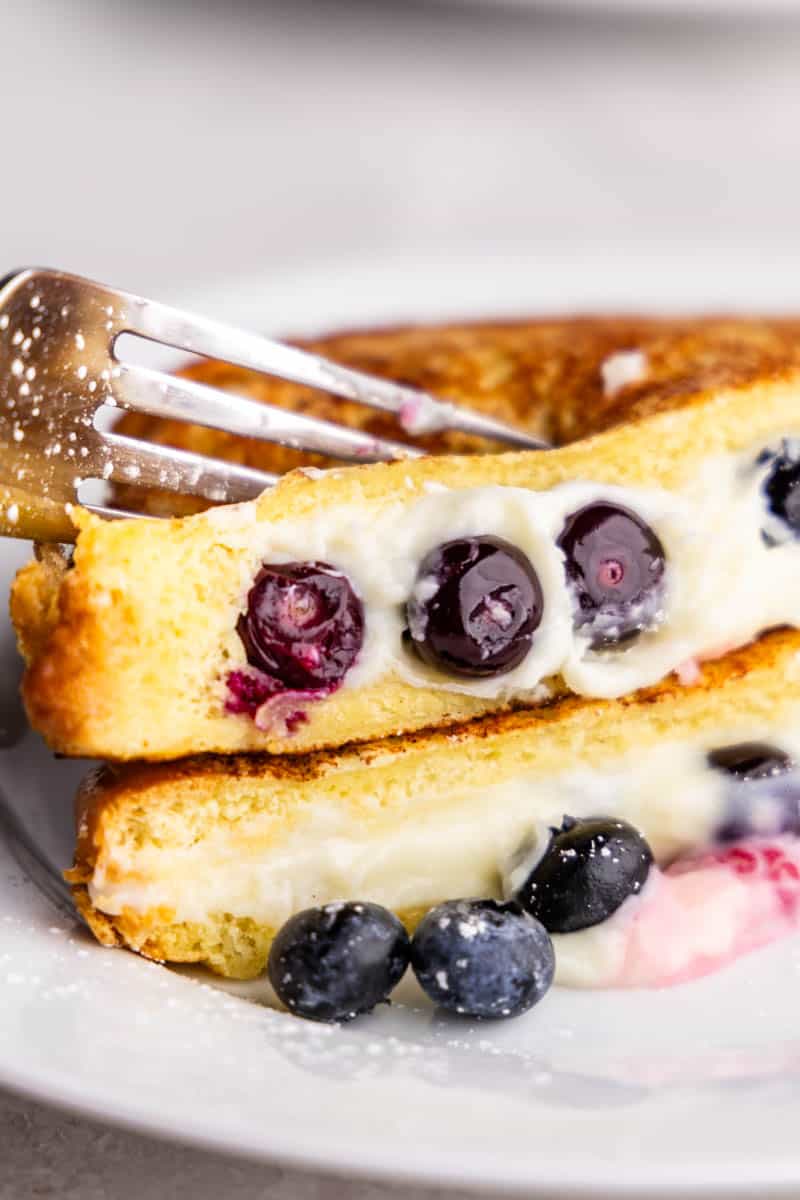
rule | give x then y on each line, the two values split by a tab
482	959
747	761
782	488
332	963
588	869
476	606
763	799
304	624
615	569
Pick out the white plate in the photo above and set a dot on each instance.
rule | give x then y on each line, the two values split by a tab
756	9
691	1091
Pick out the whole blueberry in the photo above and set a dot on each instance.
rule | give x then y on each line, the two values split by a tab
748	761
334	962
586	872
482	958
475	607
304	624
782	488
615	569
763	796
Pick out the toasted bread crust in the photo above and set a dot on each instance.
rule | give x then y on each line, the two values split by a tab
712	386
543	375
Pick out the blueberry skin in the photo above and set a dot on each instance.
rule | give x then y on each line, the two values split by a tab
304	625
749	761
588	870
615	569
763	799
335	962
482	959
782	488
486	605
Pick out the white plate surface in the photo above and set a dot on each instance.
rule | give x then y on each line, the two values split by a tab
692	1091
756	9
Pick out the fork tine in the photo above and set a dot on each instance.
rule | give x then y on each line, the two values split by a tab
148	464
115	514
165	395
417	411
59	367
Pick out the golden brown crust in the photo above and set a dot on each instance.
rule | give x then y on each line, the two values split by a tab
770	653
89	629
34	601
543	375
60	637
102	926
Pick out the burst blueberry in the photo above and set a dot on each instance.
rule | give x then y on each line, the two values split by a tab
476	606
482	959
335	962
588	869
615	569
304	625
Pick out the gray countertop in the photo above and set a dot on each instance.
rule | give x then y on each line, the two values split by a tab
159	145
44	1153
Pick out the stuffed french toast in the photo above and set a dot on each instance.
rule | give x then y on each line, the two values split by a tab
690	798
374	601
515	717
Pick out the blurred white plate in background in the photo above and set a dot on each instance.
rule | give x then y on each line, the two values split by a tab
453	283
684	1093
644	8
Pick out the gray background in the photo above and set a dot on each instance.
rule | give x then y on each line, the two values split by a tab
164	146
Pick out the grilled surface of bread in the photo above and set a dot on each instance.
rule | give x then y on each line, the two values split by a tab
546	376
137	819
125	650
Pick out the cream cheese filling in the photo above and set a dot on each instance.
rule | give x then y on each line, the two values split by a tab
724	583
440	847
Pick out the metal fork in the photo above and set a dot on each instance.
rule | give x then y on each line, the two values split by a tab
59	366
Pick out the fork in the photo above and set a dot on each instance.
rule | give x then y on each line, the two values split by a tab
60	365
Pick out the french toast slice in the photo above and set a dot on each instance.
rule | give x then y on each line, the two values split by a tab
203	860
132	648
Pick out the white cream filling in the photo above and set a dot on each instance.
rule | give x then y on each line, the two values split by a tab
438	848
590	957
724	584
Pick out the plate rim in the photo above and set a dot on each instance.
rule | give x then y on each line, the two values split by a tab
723	1180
